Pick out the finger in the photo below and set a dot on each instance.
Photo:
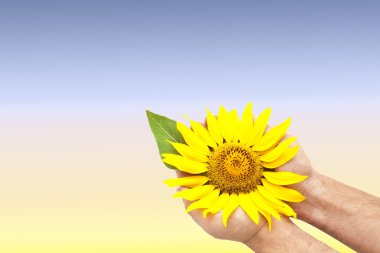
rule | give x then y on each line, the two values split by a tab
186	202
183	174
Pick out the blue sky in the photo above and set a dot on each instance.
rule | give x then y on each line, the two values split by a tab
148	50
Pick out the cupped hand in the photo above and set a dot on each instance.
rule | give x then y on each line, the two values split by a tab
239	227
300	164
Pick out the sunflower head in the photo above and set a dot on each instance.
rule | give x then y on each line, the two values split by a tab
232	163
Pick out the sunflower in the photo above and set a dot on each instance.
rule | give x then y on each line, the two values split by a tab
232	162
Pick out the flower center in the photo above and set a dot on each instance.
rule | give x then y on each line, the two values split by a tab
234	168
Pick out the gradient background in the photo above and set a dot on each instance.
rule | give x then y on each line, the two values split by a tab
79	167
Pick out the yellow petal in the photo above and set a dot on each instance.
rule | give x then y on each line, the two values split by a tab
194	193
187	181
275	153
193	140
201	131
266	215
283	193
213	128
188	152
234	122
284	158
224	126
185	164
249	207
259	127
272	137
204	202
246	126
218	204
264	204
279	205
268	218
283	177
229	208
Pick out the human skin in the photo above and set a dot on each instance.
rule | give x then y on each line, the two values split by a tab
348	214
285	236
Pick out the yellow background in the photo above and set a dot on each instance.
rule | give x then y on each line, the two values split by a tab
88	178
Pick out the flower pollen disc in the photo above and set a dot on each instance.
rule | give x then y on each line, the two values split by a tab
234	168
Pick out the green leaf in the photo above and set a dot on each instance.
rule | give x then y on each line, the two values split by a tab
164	130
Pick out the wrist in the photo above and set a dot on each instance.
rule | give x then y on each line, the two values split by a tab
285	237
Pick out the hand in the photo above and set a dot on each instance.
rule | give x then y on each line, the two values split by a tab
331	206
240	227
300	164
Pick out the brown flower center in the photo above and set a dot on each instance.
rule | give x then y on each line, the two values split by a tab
234	168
